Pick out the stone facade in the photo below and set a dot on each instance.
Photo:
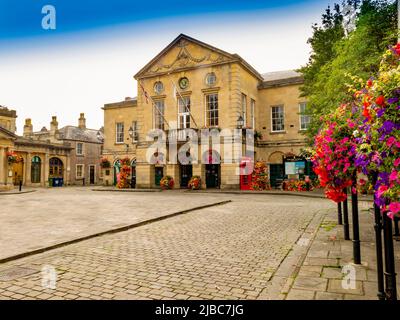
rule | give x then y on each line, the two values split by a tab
83	166
193	70
34	157
48	157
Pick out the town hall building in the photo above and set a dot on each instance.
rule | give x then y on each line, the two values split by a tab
196	86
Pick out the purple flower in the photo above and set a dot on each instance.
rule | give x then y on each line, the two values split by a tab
380	113
393	100
383	178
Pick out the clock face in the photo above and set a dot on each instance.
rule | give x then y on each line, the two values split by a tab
183	83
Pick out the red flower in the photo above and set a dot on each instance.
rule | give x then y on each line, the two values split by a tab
366	113
397	48
369	83
380	101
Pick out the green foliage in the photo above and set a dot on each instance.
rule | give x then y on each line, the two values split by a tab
335	57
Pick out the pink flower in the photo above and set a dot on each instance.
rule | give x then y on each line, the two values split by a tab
397	162
393	176
382	189
394	207
391	141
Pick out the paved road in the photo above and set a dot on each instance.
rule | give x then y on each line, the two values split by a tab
224	252
49	216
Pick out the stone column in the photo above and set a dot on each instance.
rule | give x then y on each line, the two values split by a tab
28	170
199	170
144	176
173	171
46	170
229	177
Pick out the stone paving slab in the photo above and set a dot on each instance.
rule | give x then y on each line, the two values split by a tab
321	275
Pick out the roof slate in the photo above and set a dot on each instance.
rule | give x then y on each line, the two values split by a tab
78	134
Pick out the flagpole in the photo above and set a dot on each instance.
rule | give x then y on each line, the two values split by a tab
153	104
186	107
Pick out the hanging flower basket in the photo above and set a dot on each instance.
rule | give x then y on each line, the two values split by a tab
12	157
167	183
195	183
125	162
105	163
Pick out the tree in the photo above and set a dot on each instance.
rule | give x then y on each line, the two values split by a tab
335	57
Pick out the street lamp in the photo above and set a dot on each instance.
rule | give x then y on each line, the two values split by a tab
130	131
240	122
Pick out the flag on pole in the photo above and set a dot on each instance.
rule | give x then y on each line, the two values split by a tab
145	93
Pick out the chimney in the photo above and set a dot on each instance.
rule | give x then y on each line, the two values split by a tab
82	121
53	125
28	128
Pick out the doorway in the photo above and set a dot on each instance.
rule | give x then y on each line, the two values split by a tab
186	173
158	174
212	175
92	174
18	172
276	175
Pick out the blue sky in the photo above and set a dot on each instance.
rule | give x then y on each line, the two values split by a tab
98	46
21	18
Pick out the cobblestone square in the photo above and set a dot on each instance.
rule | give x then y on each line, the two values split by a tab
256	247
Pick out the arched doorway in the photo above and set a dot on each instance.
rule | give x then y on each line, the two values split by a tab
133	173
18	171
212	159
56	172
36	169
117	169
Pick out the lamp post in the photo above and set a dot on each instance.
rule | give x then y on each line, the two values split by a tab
240	122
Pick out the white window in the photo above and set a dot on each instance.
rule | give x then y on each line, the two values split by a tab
159	111
184	112
252	111
158	87
119	132
79	148
79	171
211	79
304	119
212	110
244	109
278	118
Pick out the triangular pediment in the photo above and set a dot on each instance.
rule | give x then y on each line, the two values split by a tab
182	53
6	134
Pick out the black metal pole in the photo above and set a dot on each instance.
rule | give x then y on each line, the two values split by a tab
390	271
378	247
339	207
346	227
20	185
356	228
